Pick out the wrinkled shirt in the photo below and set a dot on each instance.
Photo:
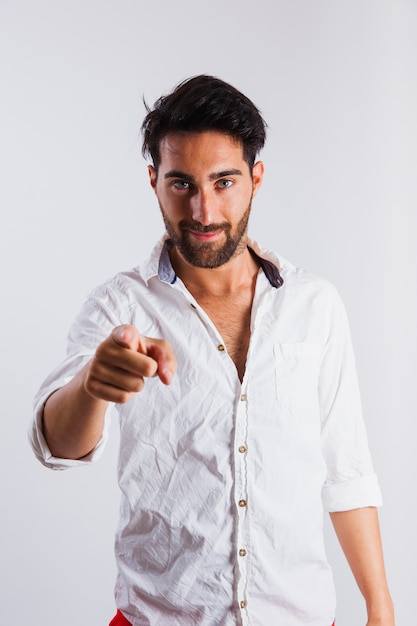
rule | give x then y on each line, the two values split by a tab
223	482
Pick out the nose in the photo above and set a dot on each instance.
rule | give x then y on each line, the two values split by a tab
203	208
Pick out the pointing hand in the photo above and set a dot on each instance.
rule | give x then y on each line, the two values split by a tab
122	362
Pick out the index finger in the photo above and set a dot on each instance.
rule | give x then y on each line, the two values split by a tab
161	351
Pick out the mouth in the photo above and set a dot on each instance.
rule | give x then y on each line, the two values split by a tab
205	236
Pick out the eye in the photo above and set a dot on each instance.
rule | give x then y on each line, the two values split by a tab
181	185
224	183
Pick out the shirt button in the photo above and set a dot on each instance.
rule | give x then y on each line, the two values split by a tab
242	552
243	397
242	503
242	449
193	306
221	348
242	604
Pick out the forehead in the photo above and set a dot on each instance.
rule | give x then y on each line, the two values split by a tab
205	149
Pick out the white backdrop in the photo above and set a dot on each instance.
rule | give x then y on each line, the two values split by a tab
336	81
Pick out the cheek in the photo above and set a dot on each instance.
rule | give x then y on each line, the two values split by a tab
241	202
172	205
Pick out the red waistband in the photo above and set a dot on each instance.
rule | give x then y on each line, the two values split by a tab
119	620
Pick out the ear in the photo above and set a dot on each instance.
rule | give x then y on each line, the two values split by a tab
152	176
257	176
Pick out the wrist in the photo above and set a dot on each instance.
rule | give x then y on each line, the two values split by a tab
381	611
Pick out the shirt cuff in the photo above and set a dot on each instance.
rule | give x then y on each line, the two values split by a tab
352	494
43	453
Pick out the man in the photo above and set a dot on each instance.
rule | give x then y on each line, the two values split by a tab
234	379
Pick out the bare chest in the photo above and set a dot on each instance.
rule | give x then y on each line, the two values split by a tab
232	316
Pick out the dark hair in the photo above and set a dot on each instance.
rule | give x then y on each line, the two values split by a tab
201	104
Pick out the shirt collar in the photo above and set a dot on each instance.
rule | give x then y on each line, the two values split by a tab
167	275
165	270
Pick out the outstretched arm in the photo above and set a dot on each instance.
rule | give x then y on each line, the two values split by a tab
359	535
73	417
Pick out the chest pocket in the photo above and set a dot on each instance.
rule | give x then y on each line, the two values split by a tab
297	367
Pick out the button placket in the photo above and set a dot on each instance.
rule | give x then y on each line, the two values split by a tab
204	317
241	493
242	454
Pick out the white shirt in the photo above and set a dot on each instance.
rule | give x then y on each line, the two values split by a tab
224	483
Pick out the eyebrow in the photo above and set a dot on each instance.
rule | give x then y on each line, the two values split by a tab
213	176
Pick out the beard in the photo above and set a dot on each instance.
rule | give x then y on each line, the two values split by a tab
209	254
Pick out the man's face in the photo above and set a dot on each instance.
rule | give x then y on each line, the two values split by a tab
204	189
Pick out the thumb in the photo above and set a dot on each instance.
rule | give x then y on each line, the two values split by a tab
128	337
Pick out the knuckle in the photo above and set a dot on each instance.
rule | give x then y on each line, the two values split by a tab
139	385
149	369
92	387
123	396
101	351
94	374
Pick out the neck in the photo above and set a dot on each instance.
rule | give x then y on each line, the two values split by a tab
239	272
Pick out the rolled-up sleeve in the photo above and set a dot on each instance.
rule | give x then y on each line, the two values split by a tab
97	318
351	481
60	377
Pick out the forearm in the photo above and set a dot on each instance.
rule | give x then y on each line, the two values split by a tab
359	535
73	420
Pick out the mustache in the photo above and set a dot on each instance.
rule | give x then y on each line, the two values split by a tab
200	228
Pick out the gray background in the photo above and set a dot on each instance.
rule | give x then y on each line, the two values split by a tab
336	82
